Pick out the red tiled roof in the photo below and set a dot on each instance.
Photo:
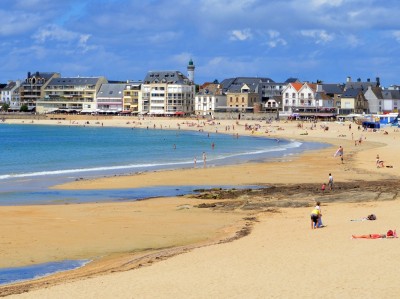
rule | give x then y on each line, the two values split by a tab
312	86
297	86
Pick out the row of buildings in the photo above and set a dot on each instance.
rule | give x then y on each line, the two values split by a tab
166	93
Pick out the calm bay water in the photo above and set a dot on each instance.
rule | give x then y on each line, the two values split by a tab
34	157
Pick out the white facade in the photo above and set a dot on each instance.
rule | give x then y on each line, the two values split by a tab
167	99
307	96
374	103
206	104
290	96
9	94
298	95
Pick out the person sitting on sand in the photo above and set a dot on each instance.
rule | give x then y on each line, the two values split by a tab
390	234
379	163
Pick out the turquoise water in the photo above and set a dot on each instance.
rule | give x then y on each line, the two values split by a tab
34	157
34	150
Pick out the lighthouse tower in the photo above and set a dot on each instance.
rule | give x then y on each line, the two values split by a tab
190	70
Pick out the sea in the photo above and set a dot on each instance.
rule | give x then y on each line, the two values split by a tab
36	157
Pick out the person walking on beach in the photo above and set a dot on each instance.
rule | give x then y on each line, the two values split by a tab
339	153
204	159
330	181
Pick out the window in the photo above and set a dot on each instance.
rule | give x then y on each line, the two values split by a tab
293	95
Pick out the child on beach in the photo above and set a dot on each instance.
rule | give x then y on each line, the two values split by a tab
323	187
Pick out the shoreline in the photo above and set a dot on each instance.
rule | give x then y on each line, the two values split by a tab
307	167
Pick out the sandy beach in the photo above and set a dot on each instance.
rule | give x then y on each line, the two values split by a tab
171	248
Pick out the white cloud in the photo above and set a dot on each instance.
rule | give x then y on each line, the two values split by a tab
396	35
182	59
275	39
353	41
162	37
17	23
59	34
320	36
228	6
318	3
240	35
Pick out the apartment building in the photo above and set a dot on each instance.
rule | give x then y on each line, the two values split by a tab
110	98
32	88
73	94
167	93
242	98
132	97
209	99
299	97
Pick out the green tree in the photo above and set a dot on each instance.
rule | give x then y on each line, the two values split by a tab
24	108
5	107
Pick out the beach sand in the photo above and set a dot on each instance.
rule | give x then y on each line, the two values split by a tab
281	257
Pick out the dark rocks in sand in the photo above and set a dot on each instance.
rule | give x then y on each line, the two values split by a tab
299	195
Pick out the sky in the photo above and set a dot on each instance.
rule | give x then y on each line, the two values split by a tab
327	40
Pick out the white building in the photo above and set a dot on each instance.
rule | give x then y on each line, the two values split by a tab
209	99
299	97
9	93
391	101
167	93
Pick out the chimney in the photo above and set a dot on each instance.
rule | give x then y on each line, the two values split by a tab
378	82
29	75
348	79
368	80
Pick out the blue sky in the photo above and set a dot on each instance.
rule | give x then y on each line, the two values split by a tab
309	39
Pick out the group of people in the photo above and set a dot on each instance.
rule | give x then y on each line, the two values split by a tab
316	222
330	183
